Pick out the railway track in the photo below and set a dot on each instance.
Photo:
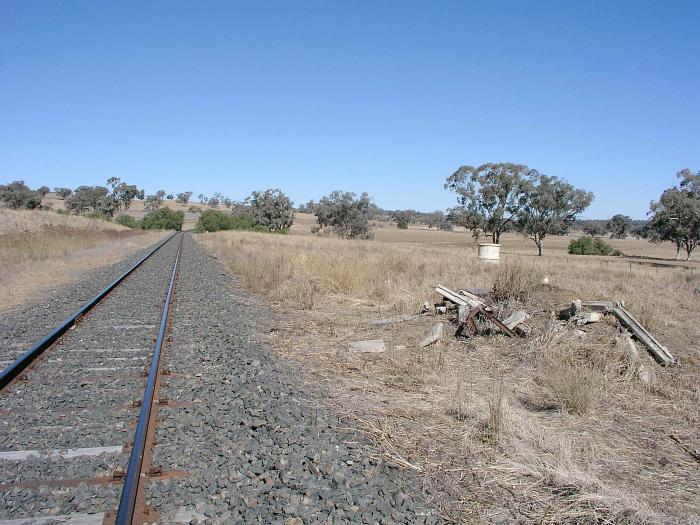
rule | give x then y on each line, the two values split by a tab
123	418
68	403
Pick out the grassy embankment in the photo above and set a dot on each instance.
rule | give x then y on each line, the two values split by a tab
552	429
42	249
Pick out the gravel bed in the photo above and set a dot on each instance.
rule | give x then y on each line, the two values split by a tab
257	442
63	406
19	326
21	502
34	469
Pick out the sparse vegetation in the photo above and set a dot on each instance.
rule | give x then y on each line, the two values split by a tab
555	419
44	249
515	280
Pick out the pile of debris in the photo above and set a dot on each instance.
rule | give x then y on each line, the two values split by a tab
470	306
474	310
630	326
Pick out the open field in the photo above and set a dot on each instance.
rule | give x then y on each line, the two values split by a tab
556	246
555	428
44	249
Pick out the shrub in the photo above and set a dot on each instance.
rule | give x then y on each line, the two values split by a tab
214	220
127	220
163	219
99	216
589	246
402	224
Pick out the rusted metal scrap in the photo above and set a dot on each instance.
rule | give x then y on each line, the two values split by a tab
469	323
477	307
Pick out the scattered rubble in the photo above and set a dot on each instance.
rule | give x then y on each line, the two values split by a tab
434	335
372	346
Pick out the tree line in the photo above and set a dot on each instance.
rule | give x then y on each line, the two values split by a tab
492	199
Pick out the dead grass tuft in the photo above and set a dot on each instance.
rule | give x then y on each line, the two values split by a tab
515	279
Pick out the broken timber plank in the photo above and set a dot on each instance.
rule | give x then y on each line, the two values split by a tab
464	299
434	335
516	318
660	353
600	306
372	346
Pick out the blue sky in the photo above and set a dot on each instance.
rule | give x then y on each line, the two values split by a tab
388	97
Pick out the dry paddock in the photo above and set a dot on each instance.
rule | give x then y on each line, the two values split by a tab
555	428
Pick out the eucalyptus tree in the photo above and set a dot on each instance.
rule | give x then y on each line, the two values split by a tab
492	195
675	216
551	208
272	209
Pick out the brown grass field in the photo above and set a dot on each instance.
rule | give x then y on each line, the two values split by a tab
41	250
554	428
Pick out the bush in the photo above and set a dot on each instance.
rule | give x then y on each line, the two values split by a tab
127	220
402	224
590	246
214	221
99	216
163	219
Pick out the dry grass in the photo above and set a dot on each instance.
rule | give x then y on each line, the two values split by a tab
554	429
41	249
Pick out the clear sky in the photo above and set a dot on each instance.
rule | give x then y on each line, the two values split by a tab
388	97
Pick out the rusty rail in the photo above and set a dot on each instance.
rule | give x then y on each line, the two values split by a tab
133	494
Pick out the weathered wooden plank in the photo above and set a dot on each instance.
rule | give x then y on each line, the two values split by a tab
460	299
516	318
372	346
660	353
434	335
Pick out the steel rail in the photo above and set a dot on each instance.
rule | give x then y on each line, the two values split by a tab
128	500
22	362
